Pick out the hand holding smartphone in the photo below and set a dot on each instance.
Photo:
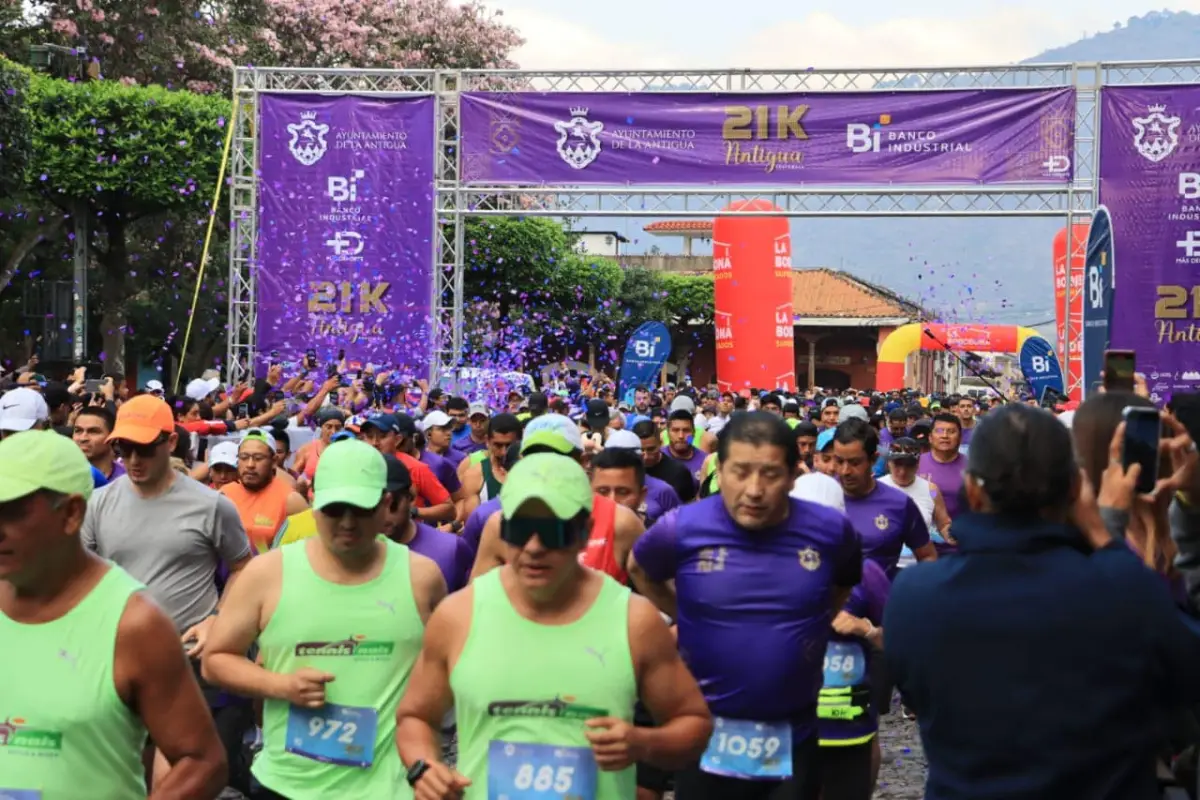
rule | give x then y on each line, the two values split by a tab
1143	432
1119	369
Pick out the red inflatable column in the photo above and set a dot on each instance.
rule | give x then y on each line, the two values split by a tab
752	285
1073	329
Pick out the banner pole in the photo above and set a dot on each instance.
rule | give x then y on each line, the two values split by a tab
212	218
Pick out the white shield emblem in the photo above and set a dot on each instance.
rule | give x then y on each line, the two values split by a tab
1156	135
579	139
308	139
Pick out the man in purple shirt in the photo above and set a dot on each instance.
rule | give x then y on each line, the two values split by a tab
966	408
885	518
681	428
943	465
452	555
758	576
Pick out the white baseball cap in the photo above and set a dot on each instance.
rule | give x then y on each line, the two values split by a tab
224	453
623	440
154	386
21	409
199	389
478	408
436	419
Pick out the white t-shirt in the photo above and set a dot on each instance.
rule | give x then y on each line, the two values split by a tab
819	488
921	492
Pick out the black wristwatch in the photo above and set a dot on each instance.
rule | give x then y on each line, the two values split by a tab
416	772
415	512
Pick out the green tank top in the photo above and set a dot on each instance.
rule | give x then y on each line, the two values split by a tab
62	724
478	457
522	692
367	636
491	484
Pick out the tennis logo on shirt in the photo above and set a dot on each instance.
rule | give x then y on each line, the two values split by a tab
562	707
357	646
810	559
882	522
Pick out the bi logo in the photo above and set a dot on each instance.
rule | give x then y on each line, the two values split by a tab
1040	364
644	349
1095	287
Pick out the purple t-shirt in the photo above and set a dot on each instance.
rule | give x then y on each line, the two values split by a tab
694	463
472	532
660	498
948	477
443	470
455	457
886	520
866	601
967	433
754	606
449	552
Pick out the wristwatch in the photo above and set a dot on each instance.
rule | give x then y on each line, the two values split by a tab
415	512
416	772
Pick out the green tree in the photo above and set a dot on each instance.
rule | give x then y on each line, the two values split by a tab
123	155
689	299
16	136
512	260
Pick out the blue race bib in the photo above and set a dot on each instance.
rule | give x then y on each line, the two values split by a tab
745	749
20	794
845	664
333	734
520	771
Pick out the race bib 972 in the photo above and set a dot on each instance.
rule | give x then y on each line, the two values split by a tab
333	734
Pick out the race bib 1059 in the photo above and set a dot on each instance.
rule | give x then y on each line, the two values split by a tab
746	749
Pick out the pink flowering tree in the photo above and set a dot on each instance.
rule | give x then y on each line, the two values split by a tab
194	44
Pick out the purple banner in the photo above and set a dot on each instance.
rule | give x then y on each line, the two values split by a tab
345	256
992	136
1150	183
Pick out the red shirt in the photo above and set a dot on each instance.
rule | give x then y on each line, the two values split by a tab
430	491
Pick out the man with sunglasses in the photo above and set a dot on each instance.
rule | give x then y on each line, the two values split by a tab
166	530
613	527
558	656
339	620
263	499
91	664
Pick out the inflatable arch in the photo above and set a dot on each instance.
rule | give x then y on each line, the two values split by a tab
894	352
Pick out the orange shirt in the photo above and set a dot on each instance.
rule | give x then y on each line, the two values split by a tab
262	512
430	491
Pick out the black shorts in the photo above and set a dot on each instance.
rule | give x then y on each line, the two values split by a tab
694	783
846	772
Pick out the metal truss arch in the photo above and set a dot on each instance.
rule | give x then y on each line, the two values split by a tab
455	201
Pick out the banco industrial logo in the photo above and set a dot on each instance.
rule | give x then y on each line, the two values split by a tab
355	646
881	137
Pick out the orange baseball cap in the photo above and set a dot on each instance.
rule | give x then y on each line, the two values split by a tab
143	419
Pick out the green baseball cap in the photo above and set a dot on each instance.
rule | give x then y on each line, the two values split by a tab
351	472
558	481
33	461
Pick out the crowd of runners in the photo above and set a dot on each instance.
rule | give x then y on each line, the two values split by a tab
290	589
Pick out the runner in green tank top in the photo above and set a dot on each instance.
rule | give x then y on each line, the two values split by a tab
481	481
92	665
543	660
339	620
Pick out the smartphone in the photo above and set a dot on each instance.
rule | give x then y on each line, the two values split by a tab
92	386
1119	366
331	369
341	356
243	411
1050	397
274	358
1143	429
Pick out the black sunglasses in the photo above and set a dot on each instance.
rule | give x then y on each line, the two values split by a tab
338	510
126	448
554	534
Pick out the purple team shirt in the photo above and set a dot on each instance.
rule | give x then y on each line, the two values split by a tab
449	552
754	606
118	471
694	463
660	498
948	477
866	602
886	520
443	470
472	531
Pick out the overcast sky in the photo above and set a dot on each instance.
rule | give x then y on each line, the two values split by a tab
677	34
